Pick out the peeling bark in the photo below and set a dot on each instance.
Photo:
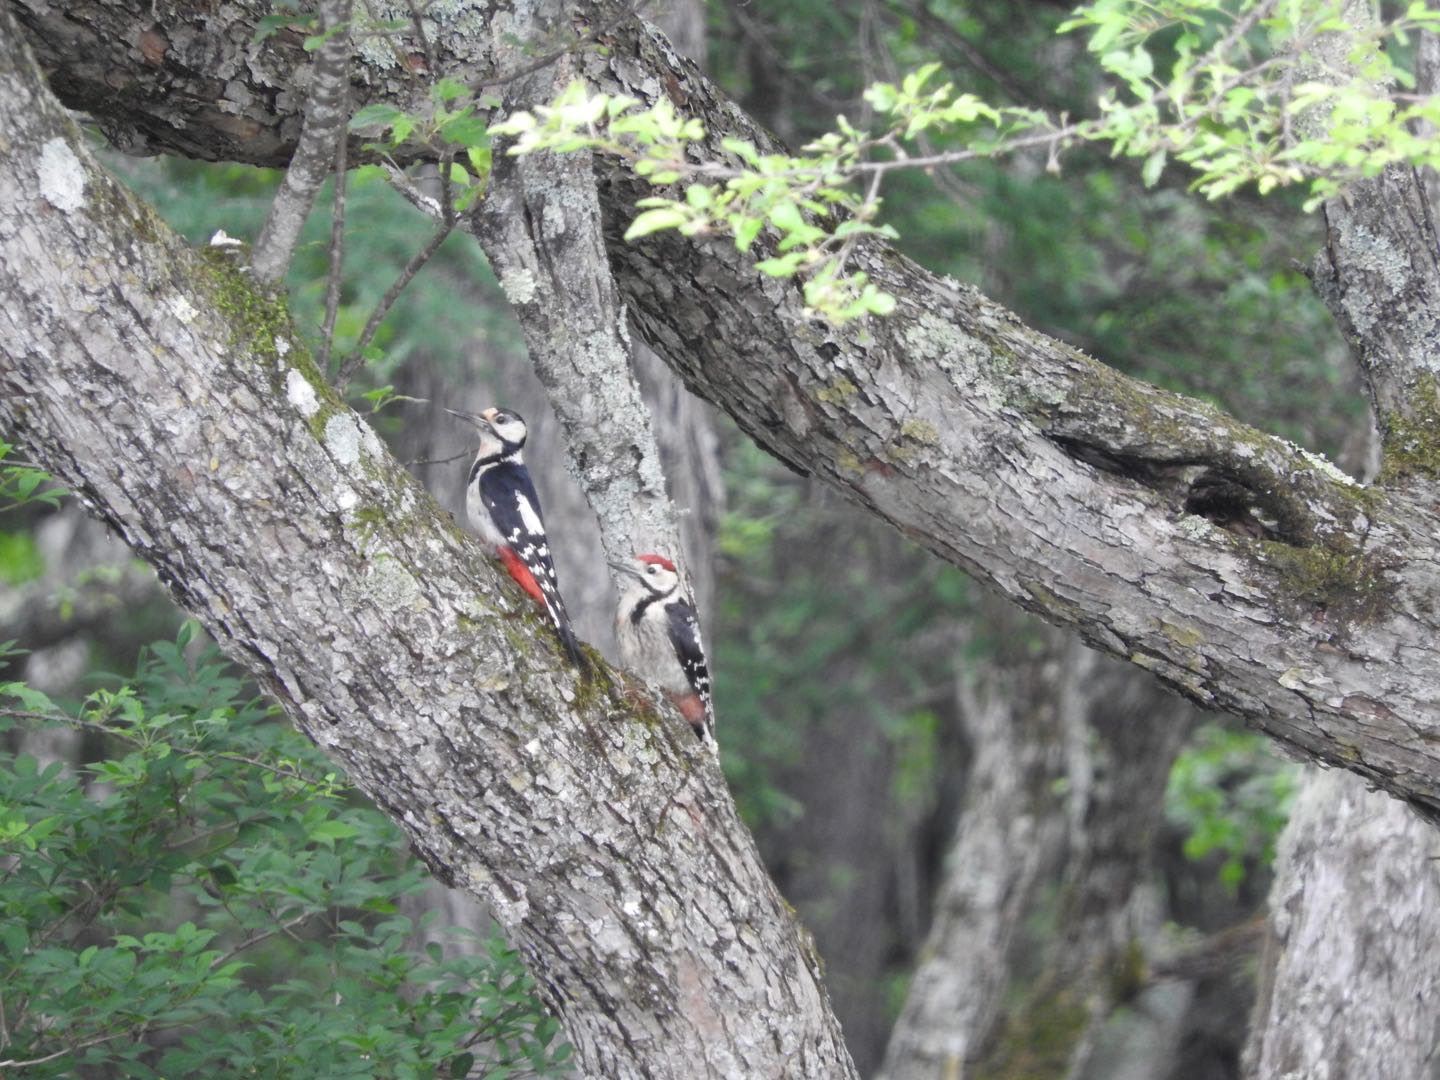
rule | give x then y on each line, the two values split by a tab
175	400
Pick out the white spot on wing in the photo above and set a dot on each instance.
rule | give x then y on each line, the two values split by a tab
528	516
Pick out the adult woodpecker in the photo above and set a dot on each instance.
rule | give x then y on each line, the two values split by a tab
659	636
502	505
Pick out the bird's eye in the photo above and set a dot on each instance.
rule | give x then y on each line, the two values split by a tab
651	568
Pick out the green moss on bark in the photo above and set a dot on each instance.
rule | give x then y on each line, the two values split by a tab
1411	443
1342	584
1037	1040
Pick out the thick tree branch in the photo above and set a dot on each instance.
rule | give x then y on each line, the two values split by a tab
540	226
1379	274
176	400
1250	575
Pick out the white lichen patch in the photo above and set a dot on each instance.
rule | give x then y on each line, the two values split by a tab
282	347
1194	527
390	586
183	310
346	499
518	285
301	394
370	443
61	176
1292	679
342	438
1328	468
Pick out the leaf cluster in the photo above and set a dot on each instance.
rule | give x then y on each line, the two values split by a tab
207	894
451	126
22	484
1233	795
1264	92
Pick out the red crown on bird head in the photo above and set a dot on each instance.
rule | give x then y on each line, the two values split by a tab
657	560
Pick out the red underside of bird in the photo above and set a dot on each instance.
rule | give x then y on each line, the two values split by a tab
521	573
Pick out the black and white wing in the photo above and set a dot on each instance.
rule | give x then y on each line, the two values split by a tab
690	651
508	495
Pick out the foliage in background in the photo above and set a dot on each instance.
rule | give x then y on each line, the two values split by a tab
1268	93
22	485
383	232
806	641
1232	795
207	896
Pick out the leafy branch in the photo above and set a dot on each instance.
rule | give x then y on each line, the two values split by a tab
1221	89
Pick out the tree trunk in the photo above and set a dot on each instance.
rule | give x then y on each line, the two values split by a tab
1350	981
1066	791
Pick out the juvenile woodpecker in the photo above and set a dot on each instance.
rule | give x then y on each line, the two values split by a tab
659	636
502	505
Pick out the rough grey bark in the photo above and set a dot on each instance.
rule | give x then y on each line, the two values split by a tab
1379	273
1350	986
175	400
1243	571
1346	982
1010	832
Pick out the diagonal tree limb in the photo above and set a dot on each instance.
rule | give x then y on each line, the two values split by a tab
176	400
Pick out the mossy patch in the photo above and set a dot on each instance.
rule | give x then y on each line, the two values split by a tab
1125	974
1339	583
837	393
920	431
260	326
1411	443
1037	1040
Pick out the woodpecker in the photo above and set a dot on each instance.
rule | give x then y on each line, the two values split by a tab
502	505
659	634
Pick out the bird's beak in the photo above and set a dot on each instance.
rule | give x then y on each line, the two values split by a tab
482	421
623	568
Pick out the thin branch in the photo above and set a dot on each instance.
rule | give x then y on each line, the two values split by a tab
137	1033
337	241
439	461
325	120
418	24
414	266
283	928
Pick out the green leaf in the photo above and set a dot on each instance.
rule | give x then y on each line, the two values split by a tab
377	115
652	221
448	89
746	230
1154	165
784	266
